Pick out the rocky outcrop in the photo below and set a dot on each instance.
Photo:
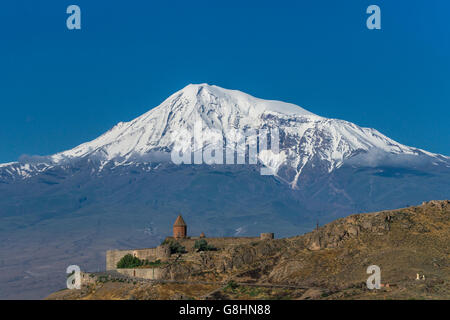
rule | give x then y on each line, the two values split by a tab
331	262
335	233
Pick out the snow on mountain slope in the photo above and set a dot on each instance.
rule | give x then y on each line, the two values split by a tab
218	108
306	139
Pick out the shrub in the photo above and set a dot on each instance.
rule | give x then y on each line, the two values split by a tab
175	246
254	292
202	245
129	261
231	285
156	263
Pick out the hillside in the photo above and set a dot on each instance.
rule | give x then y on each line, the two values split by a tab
328	263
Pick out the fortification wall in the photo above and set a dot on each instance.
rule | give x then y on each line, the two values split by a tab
267	236
150	273
163	252
219	243
146	274
114	256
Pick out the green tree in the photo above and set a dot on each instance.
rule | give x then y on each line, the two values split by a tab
202	245
175	246
129	261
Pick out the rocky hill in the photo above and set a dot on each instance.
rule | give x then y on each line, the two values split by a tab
328	263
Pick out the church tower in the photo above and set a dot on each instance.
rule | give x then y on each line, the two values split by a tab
179	228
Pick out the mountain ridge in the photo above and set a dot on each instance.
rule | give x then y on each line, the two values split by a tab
306	138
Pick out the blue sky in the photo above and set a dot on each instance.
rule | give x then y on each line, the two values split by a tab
60	88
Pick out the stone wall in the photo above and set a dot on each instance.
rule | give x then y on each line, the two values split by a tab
267	236
114	256
219	243
147	273
163	252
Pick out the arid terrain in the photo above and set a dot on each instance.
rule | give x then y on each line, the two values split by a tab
328	263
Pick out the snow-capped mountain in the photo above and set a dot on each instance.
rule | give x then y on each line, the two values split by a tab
122	190
307	141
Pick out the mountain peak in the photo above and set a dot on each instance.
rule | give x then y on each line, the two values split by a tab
204	91
307	141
